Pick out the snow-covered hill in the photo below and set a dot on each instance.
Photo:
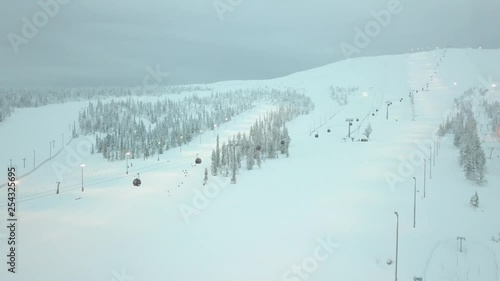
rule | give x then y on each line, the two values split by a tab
325	213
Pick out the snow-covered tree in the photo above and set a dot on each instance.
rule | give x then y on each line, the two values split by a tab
474	200
205	178
213	165
217	153
233	172
250	158
441	131
368	131
258	158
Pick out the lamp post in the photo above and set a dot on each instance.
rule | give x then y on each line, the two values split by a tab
126	156
233	145
414	202
387	110
397	242
349	127
159	150
82	165
436	147
435	151
425	168
430	162
461	240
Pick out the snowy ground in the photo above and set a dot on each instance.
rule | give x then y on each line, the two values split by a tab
325	213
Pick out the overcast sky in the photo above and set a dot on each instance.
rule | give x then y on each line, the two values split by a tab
115	42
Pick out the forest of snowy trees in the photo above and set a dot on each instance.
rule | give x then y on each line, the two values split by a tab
341	94
148	128
492	110
10	99
267	139
464	128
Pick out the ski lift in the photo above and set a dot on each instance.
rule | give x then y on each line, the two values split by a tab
198	160
137	181
282	142
328	130
357	119
373	114
258	147
316	136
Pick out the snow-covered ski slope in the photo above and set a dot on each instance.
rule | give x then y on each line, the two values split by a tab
325	213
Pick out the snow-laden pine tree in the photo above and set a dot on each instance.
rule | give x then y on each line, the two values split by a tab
474	200
466	159
205	178
213	165
368	131
217	153
458	129
258	158
285	137
441	131
479	161
237	152
472	156
224	160
250	158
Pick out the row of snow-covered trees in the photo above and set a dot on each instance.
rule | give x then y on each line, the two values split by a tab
267	139
465	137
492	110
149	128
32	97
5	109
341	95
